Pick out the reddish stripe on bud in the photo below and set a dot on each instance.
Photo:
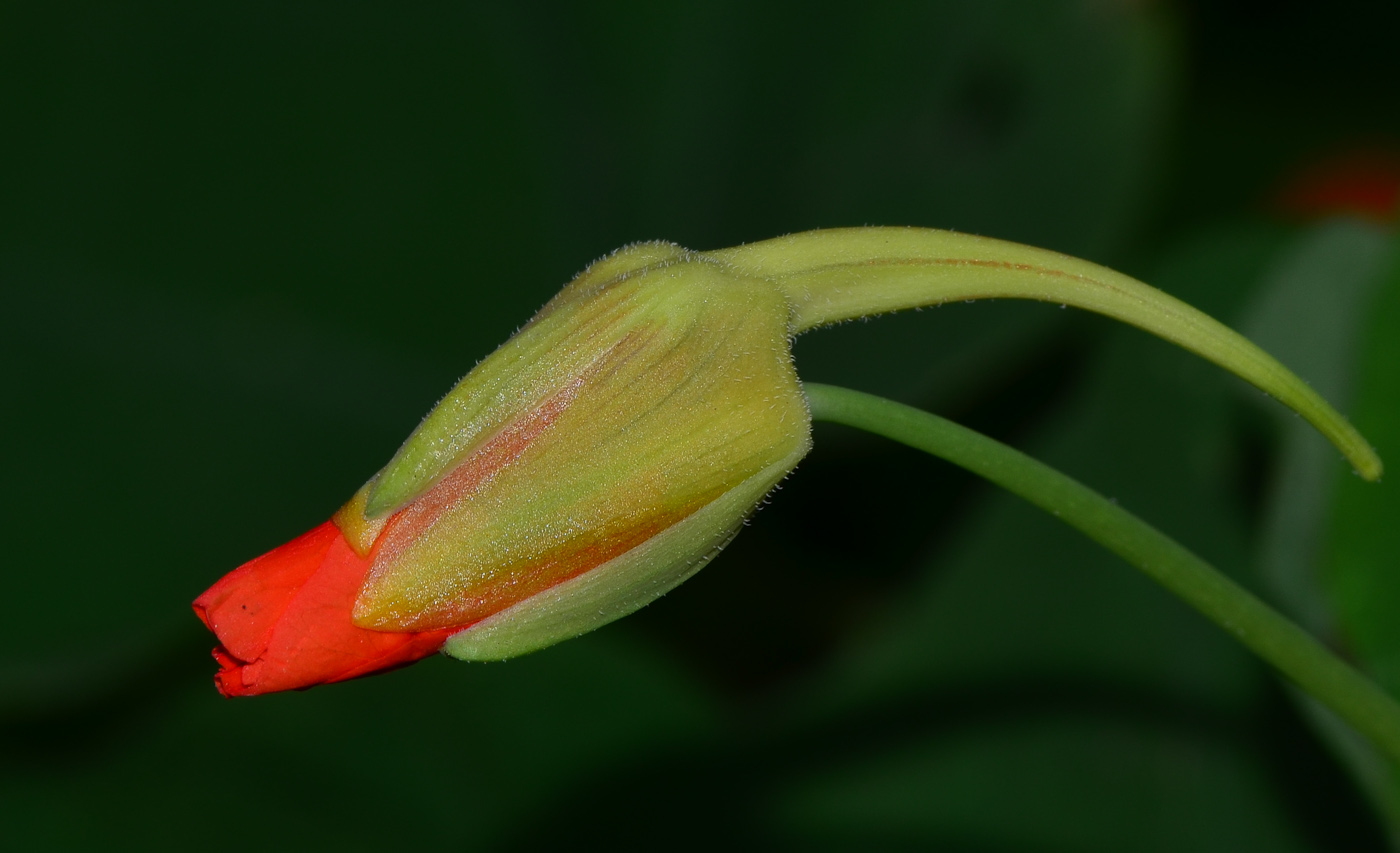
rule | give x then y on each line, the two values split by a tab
503	448
517	582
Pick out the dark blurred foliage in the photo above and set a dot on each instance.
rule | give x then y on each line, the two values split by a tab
243	248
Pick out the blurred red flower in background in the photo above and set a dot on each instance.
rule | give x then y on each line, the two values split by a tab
1357	182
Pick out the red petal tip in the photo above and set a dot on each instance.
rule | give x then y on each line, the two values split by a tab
283	620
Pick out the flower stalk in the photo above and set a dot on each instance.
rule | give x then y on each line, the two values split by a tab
1270	635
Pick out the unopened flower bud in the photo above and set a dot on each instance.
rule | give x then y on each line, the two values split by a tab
605	452
592	463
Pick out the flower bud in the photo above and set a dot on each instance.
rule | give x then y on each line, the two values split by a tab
605	452
592	463
597	459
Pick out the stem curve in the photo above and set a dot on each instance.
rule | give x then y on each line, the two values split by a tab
1280	642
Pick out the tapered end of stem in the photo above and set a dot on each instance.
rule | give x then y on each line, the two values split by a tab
1368	464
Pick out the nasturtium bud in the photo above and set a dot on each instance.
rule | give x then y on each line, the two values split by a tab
592	463
618	441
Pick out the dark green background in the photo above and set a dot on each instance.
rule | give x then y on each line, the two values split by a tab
244	247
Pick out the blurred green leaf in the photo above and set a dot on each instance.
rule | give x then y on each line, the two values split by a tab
451	754
1308	313
167	440
1363	545
1037	123
1077	783
1360	548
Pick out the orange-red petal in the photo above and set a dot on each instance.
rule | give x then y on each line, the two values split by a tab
283	620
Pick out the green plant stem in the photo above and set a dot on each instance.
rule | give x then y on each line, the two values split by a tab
1274	638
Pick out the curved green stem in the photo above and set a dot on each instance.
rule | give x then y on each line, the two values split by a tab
845	273
1274	638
